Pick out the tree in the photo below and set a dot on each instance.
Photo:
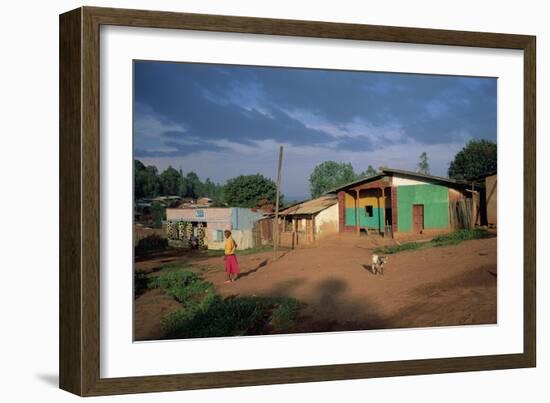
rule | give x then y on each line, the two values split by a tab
478	157
146	180
248	190
158	211
369	172
194	185
328	175
423	166
170	181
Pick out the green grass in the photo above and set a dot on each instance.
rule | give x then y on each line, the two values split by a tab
284	314
206	314
460	236
453	238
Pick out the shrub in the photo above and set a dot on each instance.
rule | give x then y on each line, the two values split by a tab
151	243
453	238
284	314
460	236
140	282
158	211
174	279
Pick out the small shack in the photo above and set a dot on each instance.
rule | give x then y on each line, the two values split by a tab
208	225
304	223
491	199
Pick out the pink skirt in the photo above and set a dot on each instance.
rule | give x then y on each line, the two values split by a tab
231	264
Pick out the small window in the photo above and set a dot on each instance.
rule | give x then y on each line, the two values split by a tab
219	235
369	211
199	213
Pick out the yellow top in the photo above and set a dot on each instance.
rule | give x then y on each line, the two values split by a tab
229	246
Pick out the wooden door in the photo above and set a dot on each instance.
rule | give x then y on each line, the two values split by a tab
418	218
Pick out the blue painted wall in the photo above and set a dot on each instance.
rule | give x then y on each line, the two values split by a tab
244	218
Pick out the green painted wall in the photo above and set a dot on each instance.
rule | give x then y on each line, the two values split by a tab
435	199
376	221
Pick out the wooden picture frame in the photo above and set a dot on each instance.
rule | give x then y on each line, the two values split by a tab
80	185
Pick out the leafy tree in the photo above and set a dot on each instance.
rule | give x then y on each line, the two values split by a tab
194	185
158	211
170	181
370	171
423	166
476	158
248	190
146	180
328	175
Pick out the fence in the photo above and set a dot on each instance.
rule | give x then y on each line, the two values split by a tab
460	214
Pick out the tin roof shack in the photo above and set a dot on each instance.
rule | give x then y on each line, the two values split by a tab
491	199
213	222
305	223
397	202
488	190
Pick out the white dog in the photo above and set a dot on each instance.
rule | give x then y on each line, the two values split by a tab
378	264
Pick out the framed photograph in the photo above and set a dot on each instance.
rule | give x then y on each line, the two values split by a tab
249	201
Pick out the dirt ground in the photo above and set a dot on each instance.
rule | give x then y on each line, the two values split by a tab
438	286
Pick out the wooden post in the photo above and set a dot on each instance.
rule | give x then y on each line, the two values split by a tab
357	227
383	217
276	226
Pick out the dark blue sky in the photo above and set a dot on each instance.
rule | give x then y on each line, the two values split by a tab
221	121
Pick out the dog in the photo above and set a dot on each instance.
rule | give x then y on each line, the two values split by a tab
378	263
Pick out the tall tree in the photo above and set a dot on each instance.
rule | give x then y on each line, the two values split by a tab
194	185
423	165
249	190
478	157
146	180
370	171
170	181
328	175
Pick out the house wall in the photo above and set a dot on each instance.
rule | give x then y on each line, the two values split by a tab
369	197
326	221
435	199
491	199
222	214
239	220
244	218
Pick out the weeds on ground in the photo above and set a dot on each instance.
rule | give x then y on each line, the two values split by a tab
453	238
206	314
460	236
151	243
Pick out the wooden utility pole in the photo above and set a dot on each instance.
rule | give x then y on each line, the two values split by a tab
276	222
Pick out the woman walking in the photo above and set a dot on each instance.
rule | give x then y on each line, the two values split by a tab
231	264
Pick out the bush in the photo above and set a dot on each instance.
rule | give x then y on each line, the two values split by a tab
460	236
453	238
158	211
151	243
283	315
140	282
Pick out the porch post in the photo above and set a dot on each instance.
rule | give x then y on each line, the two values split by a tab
382	216
357	227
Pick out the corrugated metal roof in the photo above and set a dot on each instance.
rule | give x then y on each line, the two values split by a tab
310	206
393	171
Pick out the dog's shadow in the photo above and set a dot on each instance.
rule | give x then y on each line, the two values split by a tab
368	268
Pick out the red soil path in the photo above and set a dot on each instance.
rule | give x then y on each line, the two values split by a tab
443	286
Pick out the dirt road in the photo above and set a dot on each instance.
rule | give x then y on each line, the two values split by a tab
440	286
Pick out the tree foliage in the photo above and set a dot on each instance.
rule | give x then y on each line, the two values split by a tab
423	165
146	180
249	190
171	182
478	157
370	171
328	175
